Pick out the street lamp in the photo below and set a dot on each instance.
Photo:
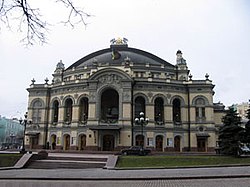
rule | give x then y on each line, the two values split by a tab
142	121
24	123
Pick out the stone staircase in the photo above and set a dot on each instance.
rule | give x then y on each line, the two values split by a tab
69	161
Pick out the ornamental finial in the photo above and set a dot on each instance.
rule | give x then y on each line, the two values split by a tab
119	41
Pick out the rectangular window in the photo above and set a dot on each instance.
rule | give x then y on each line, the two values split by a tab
203	112
197	112
200	114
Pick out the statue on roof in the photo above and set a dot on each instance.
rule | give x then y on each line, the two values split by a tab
60	65
119	41
179	58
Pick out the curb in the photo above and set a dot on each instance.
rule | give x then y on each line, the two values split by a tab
183	167
128	179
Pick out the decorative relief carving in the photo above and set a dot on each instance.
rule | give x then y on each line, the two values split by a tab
150	94
76	96
168	95
126	96
110	79
92	96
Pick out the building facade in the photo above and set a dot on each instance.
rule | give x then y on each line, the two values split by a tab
92	104
11	133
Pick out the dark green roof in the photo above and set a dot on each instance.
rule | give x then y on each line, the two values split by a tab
137	56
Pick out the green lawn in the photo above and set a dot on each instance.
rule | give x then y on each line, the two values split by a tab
7	160
178	161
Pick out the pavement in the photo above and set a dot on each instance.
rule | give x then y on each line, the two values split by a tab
146	174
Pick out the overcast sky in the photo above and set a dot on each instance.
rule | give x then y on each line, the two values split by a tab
213	35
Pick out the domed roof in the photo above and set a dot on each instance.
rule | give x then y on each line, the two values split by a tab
116	55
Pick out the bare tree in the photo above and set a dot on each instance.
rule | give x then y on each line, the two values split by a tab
31	21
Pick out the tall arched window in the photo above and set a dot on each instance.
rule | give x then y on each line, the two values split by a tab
200	110
177	111
83	110
110	106
139	106
55	111
68	110
159	110
37	112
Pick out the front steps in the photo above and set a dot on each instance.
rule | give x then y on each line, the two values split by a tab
69	161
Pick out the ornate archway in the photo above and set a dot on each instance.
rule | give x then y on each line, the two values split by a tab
110	106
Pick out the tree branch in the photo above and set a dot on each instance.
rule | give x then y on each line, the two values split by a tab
31	20
76	15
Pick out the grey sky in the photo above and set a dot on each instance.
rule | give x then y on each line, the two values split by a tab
214	36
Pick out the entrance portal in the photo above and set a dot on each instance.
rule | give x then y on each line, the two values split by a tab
108	142
53	141
177	143
159	143
201	144
33	142
139	140
82	142
66	144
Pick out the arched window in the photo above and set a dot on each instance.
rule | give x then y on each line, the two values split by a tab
159	110
109	106
83	109
200	110
55	111
177	111
139	106
37	112
68	111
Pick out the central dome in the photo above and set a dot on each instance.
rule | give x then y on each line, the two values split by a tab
118	54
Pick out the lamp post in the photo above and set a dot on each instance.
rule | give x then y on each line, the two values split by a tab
142	121
24	123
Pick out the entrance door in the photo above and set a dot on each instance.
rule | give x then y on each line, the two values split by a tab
108	142
66	142
139	140
33	142
177	143
82	142
201	145
53	141
159	143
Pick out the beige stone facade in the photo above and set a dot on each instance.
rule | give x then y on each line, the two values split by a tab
92	104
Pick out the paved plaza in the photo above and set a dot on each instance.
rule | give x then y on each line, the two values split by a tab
205	177
144	174
210	176
238	182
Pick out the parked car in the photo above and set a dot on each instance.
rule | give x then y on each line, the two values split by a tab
244	149
136	150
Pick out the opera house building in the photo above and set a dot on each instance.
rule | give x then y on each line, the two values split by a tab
120	97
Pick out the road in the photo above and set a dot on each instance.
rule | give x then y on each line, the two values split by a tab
239	182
